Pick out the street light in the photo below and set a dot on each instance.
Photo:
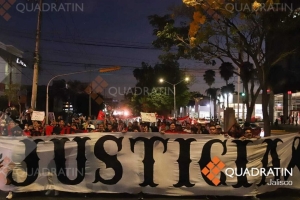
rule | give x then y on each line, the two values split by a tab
174	90
102	70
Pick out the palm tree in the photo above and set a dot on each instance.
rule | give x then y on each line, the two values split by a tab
249	78
213	93
209	77
227	89
226	72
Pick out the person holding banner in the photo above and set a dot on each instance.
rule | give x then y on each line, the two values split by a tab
248	134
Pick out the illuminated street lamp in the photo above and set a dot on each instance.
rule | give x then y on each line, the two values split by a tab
174	90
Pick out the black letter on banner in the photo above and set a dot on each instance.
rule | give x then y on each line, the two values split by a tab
60	160
31	161
148	158
241	162
110	161
272	145
184	161
295	160
205	159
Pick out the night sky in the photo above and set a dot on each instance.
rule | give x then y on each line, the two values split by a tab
106	33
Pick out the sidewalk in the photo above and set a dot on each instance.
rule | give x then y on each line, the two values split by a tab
287	128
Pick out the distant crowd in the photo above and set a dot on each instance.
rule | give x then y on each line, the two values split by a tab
24	126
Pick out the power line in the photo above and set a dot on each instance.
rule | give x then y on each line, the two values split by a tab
111	45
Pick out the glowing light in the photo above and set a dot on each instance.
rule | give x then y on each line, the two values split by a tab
126	113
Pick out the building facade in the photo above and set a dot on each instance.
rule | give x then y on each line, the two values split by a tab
11	64
204	108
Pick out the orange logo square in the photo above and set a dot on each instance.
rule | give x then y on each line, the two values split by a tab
212	169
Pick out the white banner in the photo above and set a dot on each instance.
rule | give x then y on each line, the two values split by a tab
38	116
148	117
170	164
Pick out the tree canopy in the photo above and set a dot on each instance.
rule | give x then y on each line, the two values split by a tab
220	30
149	95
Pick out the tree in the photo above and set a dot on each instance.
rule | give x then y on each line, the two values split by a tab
218	32
249	79
149	95
226	72
227	89
209	77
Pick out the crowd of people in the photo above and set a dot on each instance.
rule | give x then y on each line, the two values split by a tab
24	126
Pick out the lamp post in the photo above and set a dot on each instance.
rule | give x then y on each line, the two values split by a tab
174	90
102	70
47	93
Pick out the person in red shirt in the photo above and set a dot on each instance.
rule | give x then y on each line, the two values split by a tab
49	129
172	129
62	127
26	131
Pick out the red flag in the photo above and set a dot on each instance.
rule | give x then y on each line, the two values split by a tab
101	115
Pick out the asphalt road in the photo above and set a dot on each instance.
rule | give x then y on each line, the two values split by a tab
278	195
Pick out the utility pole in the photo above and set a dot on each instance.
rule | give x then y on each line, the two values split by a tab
90	100
10	82
36	58
239	80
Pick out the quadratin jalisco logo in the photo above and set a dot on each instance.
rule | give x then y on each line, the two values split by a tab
5	5
214	167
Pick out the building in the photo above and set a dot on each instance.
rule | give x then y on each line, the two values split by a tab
204	108
11	64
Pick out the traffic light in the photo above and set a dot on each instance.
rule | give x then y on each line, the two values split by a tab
243	94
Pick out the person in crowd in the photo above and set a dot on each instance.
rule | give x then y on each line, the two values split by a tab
49	129
130	127
74	129
101	128
67	129
62	126
36	131
213	129
172	129
235	131
144	128
219	129
56	128
91	127
247	134
188	128
162	127
109	128
204	130
194	130
26	131
153	128
121	126
136	127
